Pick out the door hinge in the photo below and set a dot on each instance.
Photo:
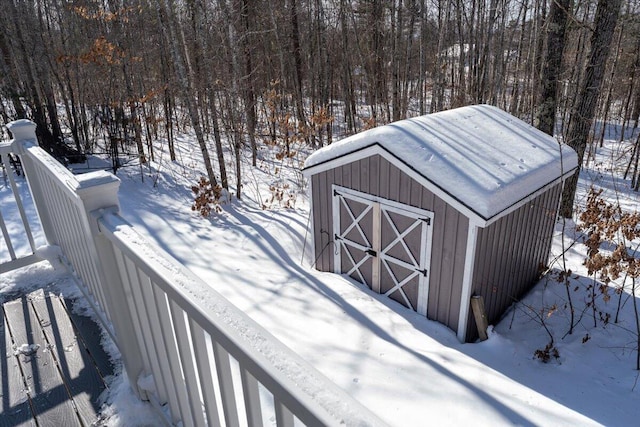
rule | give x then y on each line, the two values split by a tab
371	252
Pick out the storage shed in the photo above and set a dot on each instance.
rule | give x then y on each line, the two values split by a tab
433	210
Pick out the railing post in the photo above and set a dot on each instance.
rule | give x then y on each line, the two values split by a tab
99	193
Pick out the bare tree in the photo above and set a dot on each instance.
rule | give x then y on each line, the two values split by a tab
205	67
582	115
173	36
556	29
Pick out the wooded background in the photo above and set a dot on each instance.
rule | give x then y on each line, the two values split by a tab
115	75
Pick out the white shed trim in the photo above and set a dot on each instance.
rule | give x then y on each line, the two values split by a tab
474	218
467	282
309	230
527	199
377	149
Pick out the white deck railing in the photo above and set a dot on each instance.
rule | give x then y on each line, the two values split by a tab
185	348
15	260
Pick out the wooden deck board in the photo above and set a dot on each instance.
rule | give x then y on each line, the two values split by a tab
90	336
65	374
14	402
82	380
51	402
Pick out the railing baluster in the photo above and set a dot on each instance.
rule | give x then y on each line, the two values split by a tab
72	219
225	378
251	392
205	370
67	229
132	287
7	238
177	385
60	231
153	349
74	239
186	354
45	201
131	291
83	245
120	306
159	344
18	199
284	417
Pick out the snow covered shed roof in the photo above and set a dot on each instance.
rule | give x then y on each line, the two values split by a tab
480	156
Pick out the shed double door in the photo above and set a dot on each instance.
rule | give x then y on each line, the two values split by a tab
384	245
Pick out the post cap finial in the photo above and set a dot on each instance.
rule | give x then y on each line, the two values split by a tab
22	129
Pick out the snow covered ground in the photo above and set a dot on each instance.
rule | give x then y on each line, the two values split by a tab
407	369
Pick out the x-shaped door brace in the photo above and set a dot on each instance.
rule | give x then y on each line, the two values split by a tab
382	212
398	285
400	236
355	221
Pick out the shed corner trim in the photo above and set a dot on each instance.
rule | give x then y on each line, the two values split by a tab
467	282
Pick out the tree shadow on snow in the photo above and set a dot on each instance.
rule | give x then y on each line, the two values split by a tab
279	255
599	353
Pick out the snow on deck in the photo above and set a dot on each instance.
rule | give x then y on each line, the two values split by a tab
484	157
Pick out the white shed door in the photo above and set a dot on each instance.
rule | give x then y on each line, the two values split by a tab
384	245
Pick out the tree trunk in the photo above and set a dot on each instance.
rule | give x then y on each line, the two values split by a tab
347	78
396	33
422	68
438	75
224	181
297	57
167	20
248	91
582	117
167	105
556	30
607	101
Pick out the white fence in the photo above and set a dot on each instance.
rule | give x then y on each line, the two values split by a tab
185	348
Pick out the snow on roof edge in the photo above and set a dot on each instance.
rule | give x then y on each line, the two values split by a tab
480	155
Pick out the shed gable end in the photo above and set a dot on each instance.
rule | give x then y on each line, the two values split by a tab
377	176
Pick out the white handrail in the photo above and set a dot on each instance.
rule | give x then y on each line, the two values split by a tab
183	345
192	316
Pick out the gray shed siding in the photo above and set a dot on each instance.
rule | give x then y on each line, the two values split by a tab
509	254
377	176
